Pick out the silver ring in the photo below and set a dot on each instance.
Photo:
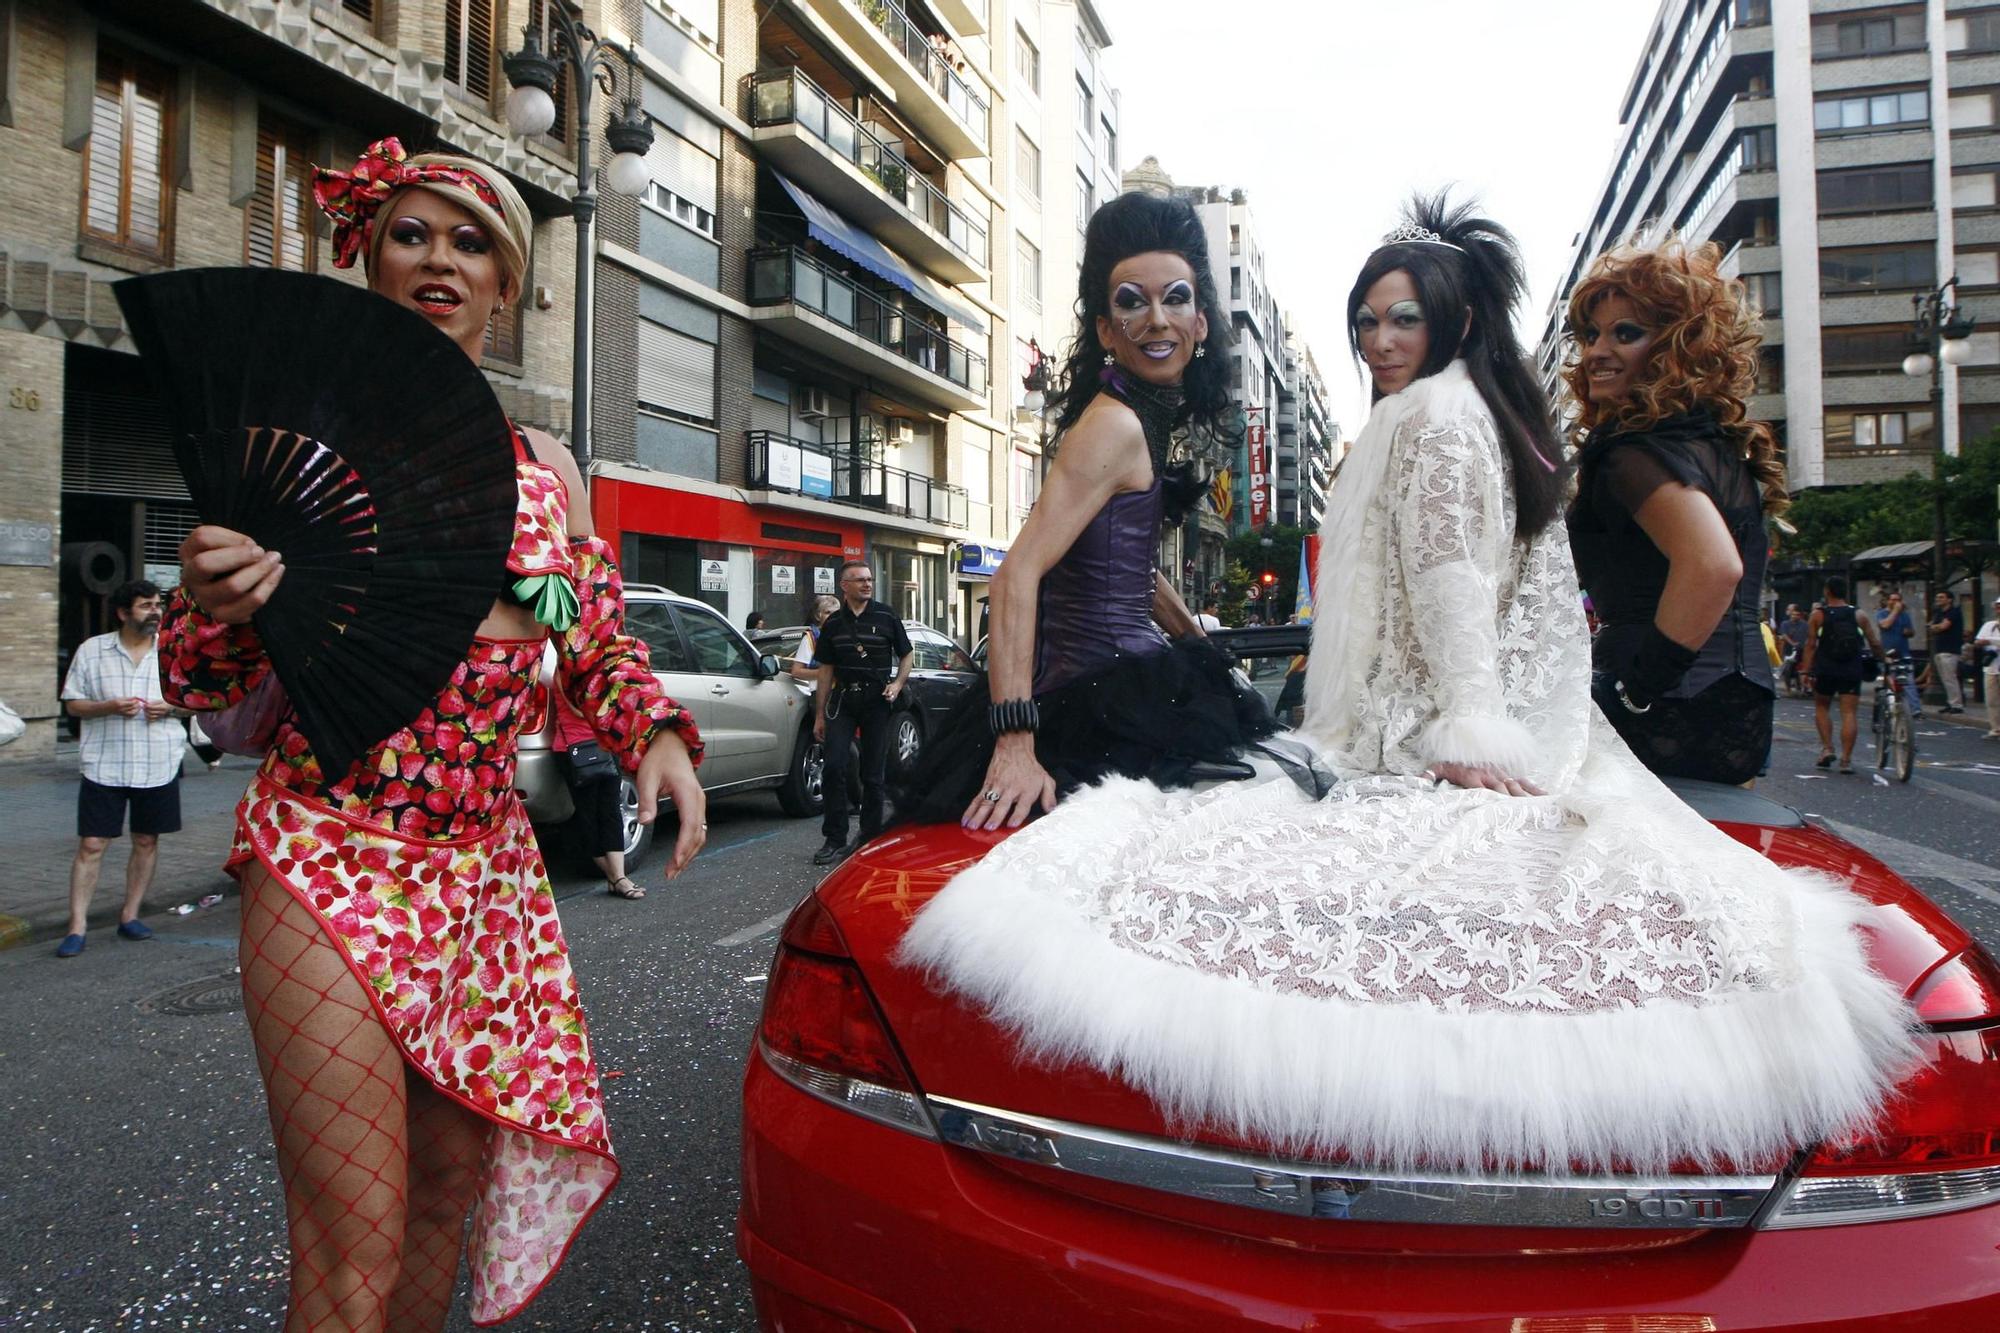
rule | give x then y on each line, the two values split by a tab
992	795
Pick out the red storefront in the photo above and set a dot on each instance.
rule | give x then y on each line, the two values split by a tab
736	556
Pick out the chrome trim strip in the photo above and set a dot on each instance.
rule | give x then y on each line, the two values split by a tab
1302	1189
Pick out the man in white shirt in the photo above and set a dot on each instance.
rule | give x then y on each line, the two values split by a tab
1208	619
131	757
1989	651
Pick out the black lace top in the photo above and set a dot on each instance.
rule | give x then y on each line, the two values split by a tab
1161	409
1623	571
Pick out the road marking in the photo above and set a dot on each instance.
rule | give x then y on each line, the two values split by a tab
755	931
1957	794
1908	859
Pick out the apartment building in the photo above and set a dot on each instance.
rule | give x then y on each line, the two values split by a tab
1844	156
820	313
139	135
1307	439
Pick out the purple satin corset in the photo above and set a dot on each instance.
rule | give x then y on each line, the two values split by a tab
1097	601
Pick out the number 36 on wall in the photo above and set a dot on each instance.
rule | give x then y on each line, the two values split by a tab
25	400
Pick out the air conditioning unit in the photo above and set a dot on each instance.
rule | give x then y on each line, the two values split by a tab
902	430
813	402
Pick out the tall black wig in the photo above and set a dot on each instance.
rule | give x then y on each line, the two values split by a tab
1479	272
1138	224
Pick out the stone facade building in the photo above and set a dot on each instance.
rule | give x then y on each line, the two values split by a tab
1844	156
144	134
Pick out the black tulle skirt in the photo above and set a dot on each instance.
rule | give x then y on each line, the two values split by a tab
1171	717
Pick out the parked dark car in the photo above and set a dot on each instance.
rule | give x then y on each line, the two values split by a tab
940	672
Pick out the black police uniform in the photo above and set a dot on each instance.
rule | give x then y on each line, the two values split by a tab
865	650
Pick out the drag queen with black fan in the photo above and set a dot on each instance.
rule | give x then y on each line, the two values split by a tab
1082	682
405	976
1498	941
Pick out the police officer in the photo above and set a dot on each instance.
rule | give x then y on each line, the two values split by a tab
864	661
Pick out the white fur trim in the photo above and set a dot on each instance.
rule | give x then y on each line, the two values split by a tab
1403	1086
1496	742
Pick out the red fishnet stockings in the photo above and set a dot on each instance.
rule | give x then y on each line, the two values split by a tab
378	1168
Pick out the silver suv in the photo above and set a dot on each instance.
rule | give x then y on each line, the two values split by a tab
752	715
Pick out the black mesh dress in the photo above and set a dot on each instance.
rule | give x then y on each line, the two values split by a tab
1716	724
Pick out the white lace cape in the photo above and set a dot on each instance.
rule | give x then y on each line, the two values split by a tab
1413	975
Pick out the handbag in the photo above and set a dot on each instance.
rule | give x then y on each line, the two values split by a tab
248	728
12	727
589	762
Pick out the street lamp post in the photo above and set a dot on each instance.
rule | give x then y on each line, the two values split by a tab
1938	332
531	110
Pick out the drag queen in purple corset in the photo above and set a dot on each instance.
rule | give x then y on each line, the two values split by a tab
1083	684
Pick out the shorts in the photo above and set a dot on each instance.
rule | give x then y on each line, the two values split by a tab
100	810
1833	687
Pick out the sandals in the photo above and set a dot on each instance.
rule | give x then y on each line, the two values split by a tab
623	887
1824	761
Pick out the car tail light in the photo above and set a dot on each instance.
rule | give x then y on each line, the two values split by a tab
821	1031
535	712
1936	1148
1964	990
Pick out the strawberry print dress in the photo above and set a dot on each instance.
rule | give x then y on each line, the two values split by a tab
422	868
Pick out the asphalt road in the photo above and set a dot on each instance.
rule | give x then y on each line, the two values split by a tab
138	1190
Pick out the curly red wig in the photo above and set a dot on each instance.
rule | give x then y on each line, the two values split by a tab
1704	353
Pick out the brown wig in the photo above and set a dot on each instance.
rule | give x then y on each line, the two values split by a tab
1704	354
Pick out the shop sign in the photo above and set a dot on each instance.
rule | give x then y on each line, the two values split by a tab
28	544
815	474
823	580
784	578
715	576
1259	496
781	465
974	558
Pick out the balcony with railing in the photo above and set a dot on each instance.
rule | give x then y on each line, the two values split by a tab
809	136
928	90
852	474
797	296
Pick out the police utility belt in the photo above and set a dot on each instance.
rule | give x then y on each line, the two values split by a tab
858	686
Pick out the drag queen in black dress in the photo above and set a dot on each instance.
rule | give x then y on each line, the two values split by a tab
1082	683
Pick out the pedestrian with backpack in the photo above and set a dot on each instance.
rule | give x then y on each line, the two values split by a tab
1832	665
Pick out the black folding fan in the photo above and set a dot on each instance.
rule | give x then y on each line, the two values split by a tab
358	441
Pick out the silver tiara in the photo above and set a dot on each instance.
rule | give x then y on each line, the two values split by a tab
1410	233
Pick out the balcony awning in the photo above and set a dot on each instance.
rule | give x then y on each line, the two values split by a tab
835	232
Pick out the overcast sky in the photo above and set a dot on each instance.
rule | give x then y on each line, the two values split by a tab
1329	112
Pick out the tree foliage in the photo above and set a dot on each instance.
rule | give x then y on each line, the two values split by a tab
1246	551
1835	523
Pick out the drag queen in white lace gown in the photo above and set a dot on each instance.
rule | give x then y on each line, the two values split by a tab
1499	939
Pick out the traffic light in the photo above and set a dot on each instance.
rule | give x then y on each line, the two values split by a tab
1268	579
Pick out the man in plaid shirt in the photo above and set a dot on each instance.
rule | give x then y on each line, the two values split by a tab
131	757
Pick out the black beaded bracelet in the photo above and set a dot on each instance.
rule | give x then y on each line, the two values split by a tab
1014	715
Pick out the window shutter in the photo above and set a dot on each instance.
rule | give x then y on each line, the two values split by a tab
103	209
468	47
277	232
503	335
682	167
549	35
676	372
127	196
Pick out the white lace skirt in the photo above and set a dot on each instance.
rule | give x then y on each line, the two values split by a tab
1414	975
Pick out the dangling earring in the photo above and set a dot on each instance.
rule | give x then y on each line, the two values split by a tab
1110	360
1200	352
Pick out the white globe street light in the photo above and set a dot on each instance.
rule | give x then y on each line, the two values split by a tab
627	174
1956	351
530	111
1917	365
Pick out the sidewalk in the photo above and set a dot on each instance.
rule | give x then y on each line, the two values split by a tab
38	841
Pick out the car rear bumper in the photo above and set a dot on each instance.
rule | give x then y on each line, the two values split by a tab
884	1230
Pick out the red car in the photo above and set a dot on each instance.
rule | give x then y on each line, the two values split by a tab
905	1169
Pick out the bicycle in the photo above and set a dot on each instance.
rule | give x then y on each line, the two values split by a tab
1895	729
